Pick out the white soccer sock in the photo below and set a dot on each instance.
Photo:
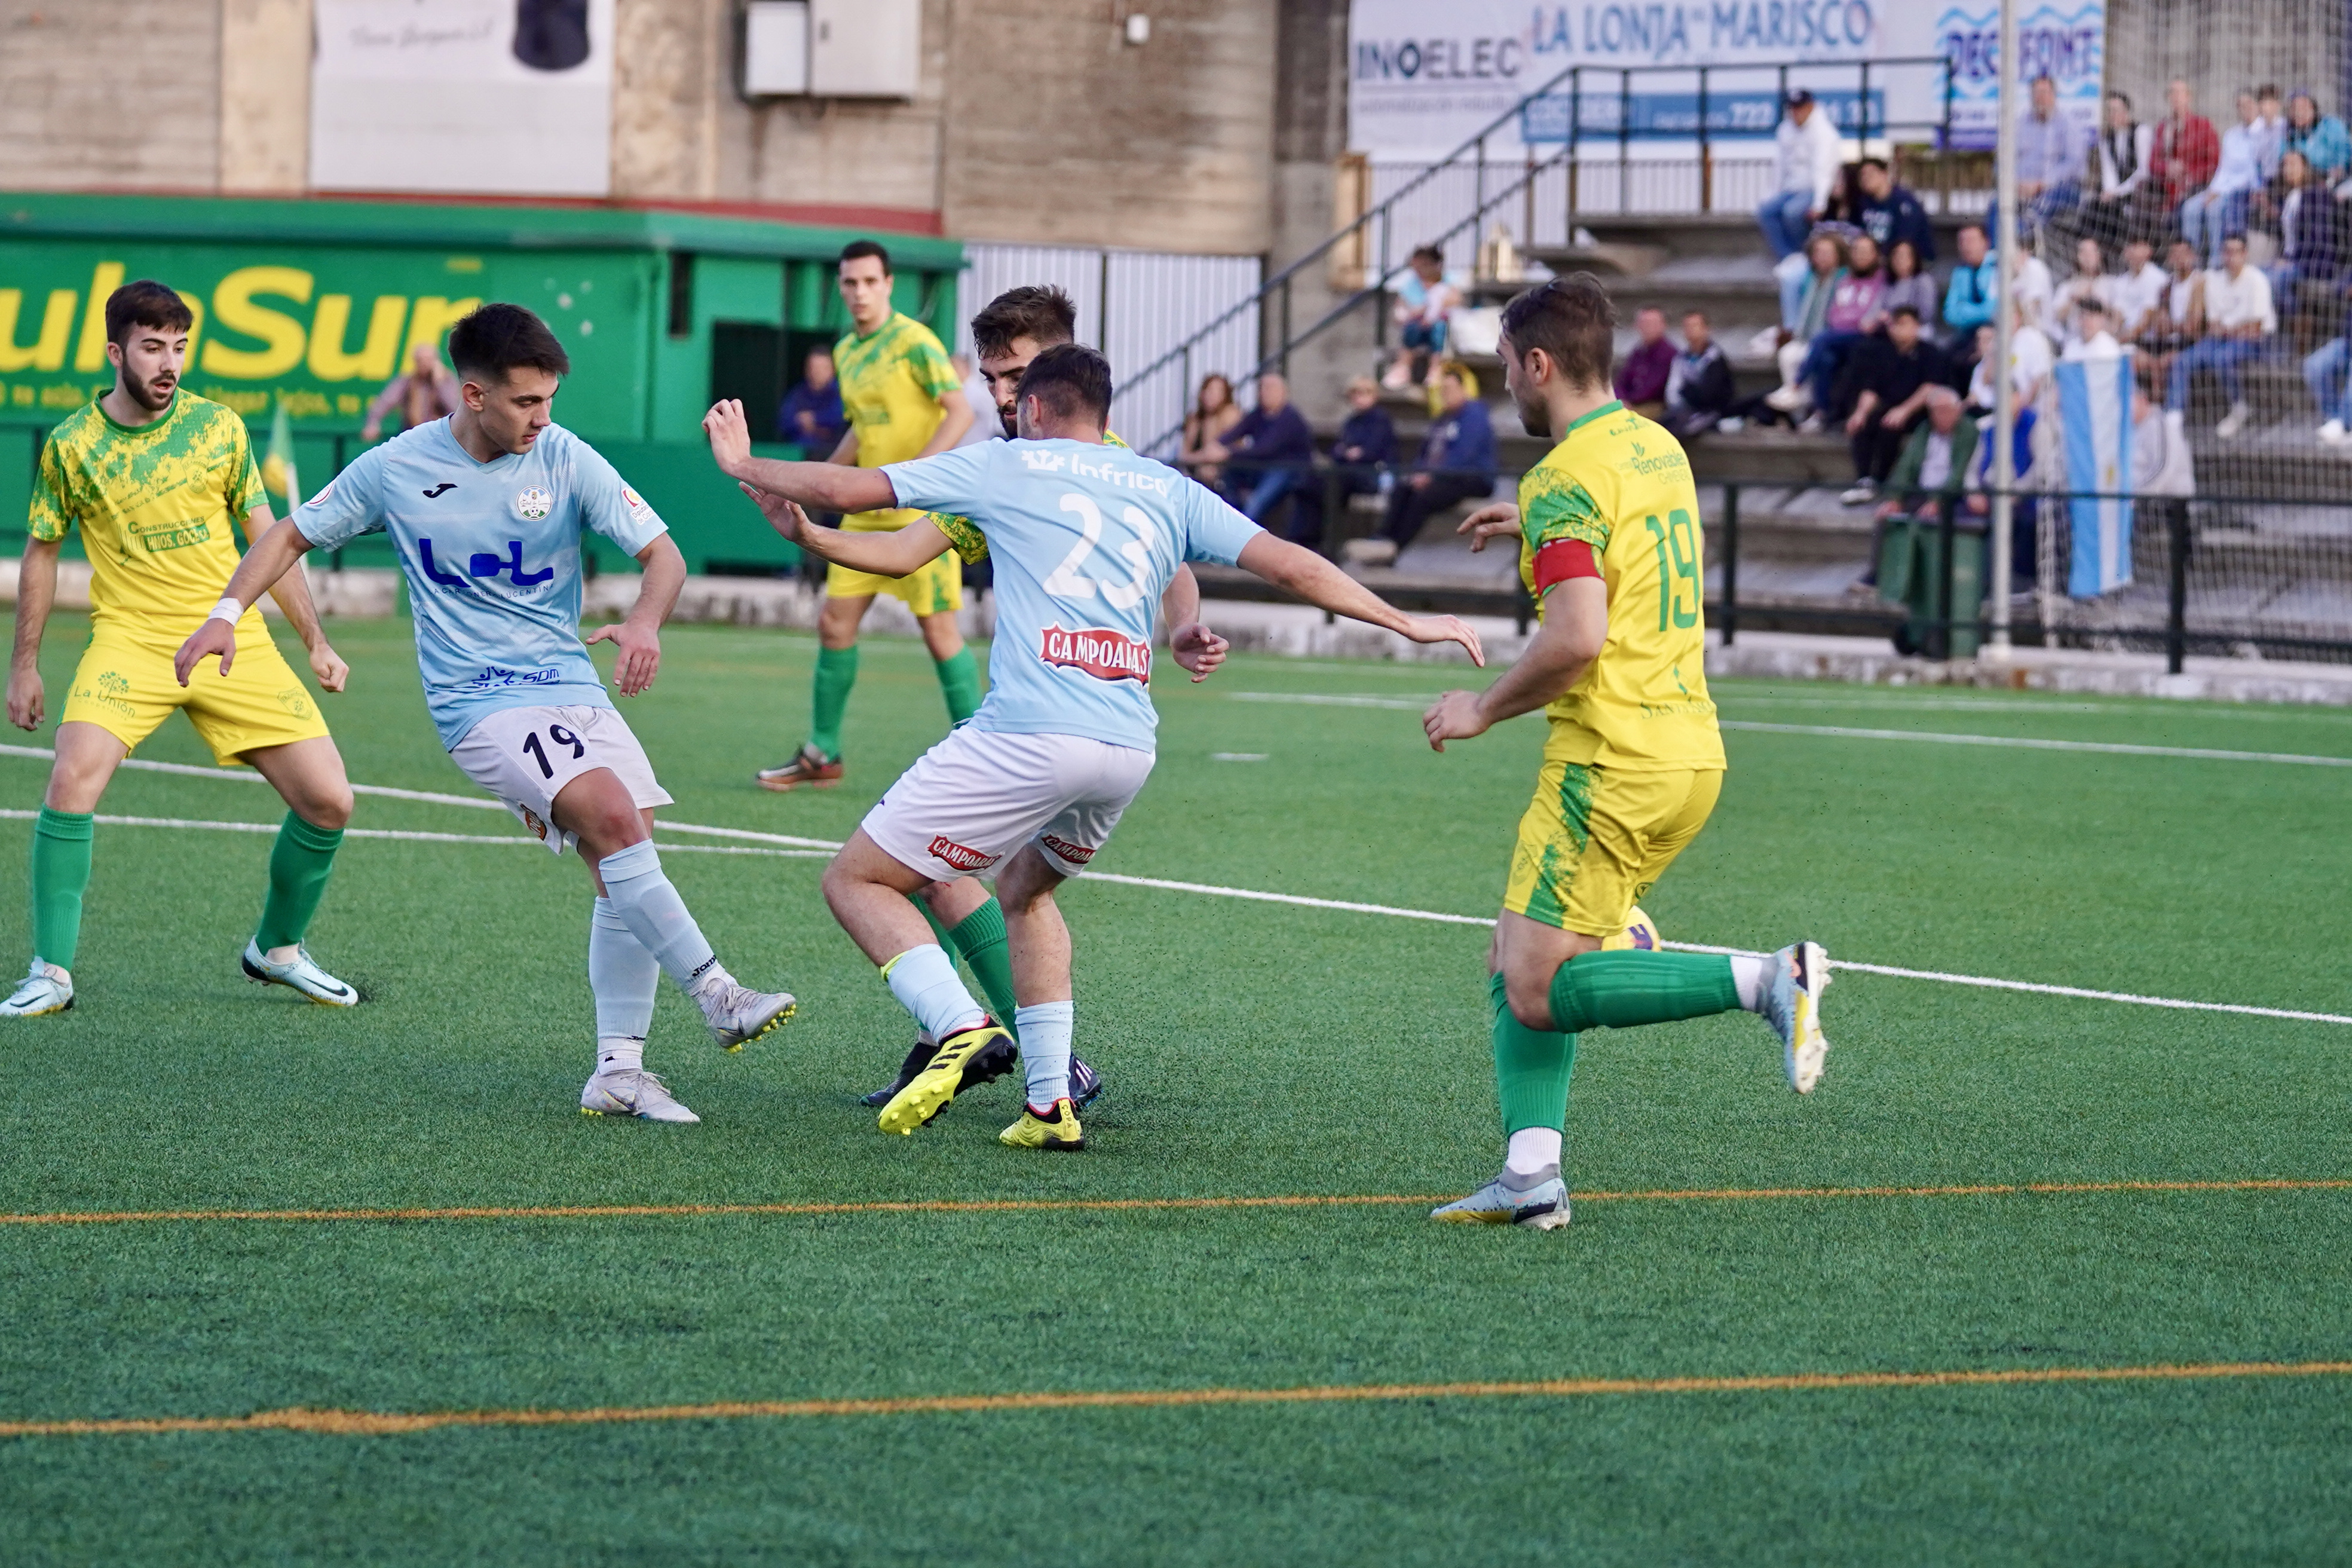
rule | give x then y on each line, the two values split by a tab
925	982
1532	1148
623	975
650	906
1753	976
1044	1030
619	1053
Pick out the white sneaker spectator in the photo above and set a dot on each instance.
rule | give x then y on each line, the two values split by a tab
2233	421
2332	433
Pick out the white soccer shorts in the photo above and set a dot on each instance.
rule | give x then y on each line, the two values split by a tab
526	756
979	795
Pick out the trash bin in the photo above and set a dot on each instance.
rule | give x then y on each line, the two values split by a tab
1911	574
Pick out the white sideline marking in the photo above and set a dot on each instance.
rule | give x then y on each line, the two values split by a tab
1237	756
818	848
1331	699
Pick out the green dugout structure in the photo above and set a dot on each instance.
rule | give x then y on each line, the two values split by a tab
317	302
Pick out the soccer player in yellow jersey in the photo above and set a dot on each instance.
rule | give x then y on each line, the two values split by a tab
158	479
904	401
1610	546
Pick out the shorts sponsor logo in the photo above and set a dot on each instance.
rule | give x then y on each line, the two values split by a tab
962	857
1076	854
1105	655
533	504
295	700
113	693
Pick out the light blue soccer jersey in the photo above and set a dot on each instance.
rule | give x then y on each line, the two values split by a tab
491	552
1085	539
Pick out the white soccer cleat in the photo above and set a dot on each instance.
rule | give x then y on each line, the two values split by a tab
302	975
632	1091
737	1013
1800	972
44	989
1543	1206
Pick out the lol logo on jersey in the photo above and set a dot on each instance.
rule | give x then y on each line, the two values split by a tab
1105	655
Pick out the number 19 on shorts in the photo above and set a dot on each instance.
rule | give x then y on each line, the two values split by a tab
561	736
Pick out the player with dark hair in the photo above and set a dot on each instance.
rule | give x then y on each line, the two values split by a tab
1087	538
158	481
487	509
1608	546
904	400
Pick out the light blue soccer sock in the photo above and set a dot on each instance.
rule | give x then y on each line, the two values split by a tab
924	981
623	977
1045	1032
658	917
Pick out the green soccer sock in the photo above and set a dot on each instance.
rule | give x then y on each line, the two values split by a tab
1620	989
1531	1068
299	867
60	877
836	672
960	684
980	937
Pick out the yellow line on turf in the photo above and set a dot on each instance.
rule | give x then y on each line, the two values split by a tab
1065	1205
383	1423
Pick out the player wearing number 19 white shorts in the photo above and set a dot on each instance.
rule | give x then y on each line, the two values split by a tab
979	795
526	756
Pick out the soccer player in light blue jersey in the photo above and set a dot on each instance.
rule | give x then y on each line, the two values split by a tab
1086	538
488	509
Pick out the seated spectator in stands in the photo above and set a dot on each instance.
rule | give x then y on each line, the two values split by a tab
1909	283
1798	274
1929	475
1806	153
1269	453
1828	254
1700	389
428	391
1640	384
1366	447
1424	305
1215	413
1889	383
2050	159
2030	355
2186	149
2239	326
1855	309
1980	362
1891	215
2311	234
2089	285
2218	211
1457	463
2036	288
2137	294
2125	204
2325	370
2094	337
2320	138
1976	284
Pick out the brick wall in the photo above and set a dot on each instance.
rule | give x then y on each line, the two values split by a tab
109	92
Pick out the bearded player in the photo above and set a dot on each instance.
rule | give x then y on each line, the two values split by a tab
904	400
1087	538
488	508
1608	546
158	479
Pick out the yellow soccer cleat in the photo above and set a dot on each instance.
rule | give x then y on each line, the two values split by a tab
937	1084
1056	1133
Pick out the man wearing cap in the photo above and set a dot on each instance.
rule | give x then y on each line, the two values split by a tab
1809	150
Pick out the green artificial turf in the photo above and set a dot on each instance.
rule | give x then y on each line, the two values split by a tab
1251	1048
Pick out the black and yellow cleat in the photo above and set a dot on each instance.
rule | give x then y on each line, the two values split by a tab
933	1087
1057	1132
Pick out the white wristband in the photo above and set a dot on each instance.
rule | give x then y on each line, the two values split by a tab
228	610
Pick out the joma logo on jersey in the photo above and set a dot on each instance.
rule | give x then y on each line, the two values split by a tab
1076	854
1105	655
482	564
962	857
1044	462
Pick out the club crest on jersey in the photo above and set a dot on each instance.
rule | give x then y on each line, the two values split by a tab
1076	854
532	820
1105	655
962	857
533	504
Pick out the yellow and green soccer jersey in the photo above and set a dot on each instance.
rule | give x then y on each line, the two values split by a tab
970	540
1621	485
159	508
891	382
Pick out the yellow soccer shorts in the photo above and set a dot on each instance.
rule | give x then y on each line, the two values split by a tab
1596	839
935	588
124	685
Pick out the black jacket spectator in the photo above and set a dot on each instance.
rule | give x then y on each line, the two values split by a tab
1457	464
1895	216
1699	390
1263	439
1888	380
1367	439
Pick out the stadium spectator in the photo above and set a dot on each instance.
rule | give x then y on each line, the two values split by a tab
2220	210
2320	138
1270	451
1890	213
2030	355
1365	448
2089	285
1457	464
1807	150
2137	294
1214	414
2186	151
2325	370
2311	233
1979	370
2036	290
1424	306
811	416
2270	131
1968	300
427	393
1828	256
1700	389
1641	374
2123	206
1909	283
2239	324
2094	337
1888	383
1855	309
2179	319
2050	159
1929	475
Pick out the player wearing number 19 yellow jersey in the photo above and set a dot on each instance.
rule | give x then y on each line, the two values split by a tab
1611	548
